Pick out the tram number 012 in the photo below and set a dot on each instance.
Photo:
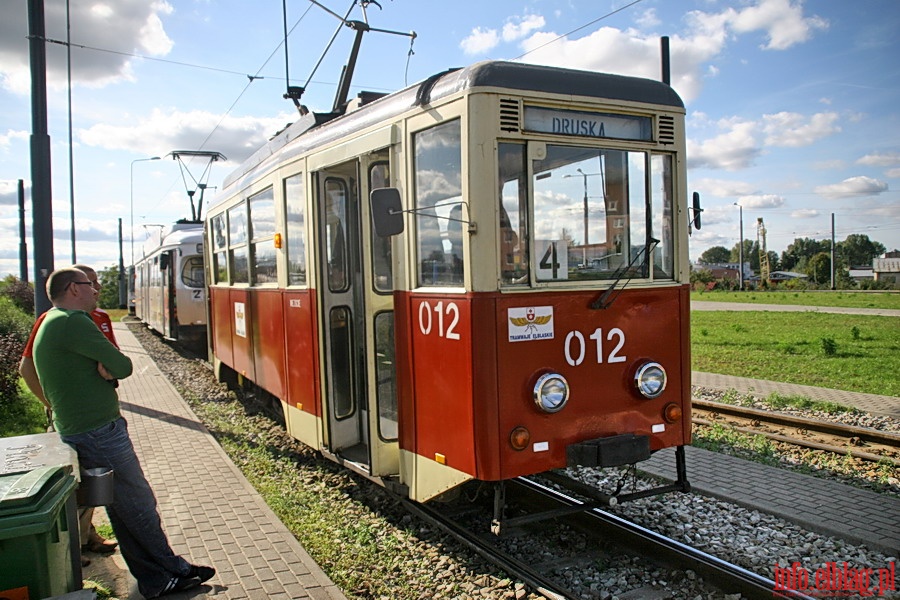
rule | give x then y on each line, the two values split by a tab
576	347
429	322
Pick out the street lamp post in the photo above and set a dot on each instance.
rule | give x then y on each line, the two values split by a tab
741	248
584	248
131	185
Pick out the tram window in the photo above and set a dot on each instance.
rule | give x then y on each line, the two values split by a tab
220	267
341	333
237	224
295	211
240	272
262	233
438	191
220	246
513	220
382	279
663	222
336	248
192	271
593	215
385	376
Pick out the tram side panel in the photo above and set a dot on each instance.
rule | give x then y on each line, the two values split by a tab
268	338
222	325
304	404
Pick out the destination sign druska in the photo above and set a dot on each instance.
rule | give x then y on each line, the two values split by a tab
601	125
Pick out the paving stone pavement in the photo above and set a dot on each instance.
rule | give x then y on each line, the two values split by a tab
212	515
820	505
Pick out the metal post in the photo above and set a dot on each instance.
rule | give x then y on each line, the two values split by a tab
585	243
833	254
41	189
122	292
23	243
741	248
131	186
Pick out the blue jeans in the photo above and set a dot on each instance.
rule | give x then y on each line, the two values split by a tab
133	513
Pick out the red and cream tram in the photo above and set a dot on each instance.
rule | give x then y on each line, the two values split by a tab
482	276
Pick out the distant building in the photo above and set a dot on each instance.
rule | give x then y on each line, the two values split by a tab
861	273
725	270
887	269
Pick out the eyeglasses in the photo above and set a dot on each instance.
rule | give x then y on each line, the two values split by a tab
80	283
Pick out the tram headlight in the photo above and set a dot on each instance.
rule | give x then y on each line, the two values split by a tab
650	380
551	392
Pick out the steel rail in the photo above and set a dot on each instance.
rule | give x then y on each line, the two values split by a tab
869	435
722	573
513	566
892	441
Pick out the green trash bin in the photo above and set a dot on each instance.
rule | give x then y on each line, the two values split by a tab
38	522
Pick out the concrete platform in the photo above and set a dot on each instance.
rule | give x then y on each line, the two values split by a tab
212	515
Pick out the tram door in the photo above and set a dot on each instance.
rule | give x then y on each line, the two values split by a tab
356	301
342	311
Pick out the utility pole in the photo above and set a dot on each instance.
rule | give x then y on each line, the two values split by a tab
123	294
41	190
23	244
833	254
741	248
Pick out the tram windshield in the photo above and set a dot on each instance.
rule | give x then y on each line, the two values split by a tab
597	215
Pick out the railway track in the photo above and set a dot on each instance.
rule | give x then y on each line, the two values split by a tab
859	442
601	528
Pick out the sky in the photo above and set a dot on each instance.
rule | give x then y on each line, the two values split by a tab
793	108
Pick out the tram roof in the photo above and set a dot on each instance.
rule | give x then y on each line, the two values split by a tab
313	130
185	232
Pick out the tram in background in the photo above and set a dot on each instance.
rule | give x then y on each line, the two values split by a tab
479	277
169	284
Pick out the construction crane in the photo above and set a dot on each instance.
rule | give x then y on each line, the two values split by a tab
763	254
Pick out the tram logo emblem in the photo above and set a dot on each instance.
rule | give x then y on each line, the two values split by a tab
530	323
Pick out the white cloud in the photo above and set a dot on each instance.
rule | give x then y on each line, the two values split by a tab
235	137
805	213
648	19
782	20
735	149
11	135
877	159
761	201
794	130
524	26
893	173
852	187
480	41
723	188
111	31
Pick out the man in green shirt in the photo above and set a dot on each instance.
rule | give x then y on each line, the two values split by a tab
79	370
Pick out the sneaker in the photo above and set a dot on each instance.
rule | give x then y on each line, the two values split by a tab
178	584
202	573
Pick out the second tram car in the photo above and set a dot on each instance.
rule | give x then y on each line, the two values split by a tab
482	276
170	286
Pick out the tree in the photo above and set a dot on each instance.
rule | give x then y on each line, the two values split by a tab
800	251
818	268
748	249
109	292
858	250
716	255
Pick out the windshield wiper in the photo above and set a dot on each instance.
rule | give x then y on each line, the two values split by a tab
605	301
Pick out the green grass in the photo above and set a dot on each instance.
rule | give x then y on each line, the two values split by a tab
846	352
23	415
889	300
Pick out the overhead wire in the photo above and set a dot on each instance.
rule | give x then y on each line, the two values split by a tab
577	29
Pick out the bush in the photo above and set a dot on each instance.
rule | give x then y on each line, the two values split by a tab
13	321
10	352
20	292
